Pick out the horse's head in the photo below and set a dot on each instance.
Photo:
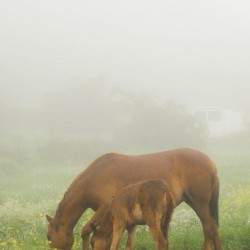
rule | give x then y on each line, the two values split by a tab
99	241
58	237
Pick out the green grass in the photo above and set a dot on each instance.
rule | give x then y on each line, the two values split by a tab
28	193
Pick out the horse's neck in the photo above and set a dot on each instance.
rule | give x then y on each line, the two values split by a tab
69	212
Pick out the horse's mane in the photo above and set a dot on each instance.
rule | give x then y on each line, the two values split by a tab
59	211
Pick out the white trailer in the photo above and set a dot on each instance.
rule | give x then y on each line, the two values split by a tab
219	121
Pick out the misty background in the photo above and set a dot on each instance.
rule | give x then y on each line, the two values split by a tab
81	78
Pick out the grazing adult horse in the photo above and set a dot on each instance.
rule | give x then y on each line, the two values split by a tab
191	175
148	202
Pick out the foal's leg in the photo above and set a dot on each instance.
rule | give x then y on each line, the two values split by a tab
87	230
118	229
154	223
131	238
165	225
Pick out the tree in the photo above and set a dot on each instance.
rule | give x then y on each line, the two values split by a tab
154	127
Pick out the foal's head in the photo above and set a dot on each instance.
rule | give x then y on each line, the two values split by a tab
100	241
58	237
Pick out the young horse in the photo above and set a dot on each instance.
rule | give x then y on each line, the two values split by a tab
191	175
148	202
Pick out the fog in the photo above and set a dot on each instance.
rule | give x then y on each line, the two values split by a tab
87	67
81	78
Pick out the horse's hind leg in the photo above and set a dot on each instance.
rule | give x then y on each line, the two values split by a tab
210	228
216	238
213	208
202	210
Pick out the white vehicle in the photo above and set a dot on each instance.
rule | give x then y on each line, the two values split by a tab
219	121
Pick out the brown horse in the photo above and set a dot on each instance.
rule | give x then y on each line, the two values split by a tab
148	202
191	174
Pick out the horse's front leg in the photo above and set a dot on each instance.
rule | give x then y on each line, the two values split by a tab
87	229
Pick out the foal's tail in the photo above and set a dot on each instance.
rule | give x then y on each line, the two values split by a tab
214	201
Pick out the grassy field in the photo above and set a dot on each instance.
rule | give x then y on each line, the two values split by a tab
28	193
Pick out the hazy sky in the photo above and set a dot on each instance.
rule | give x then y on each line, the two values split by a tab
195	52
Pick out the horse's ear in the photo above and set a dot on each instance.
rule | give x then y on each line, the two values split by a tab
93	227
50	219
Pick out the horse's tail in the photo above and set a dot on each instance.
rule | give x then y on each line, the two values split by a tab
214	201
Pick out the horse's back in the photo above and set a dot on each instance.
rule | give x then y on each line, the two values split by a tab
188	171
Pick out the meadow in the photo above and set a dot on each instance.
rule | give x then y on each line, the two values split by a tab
30	192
